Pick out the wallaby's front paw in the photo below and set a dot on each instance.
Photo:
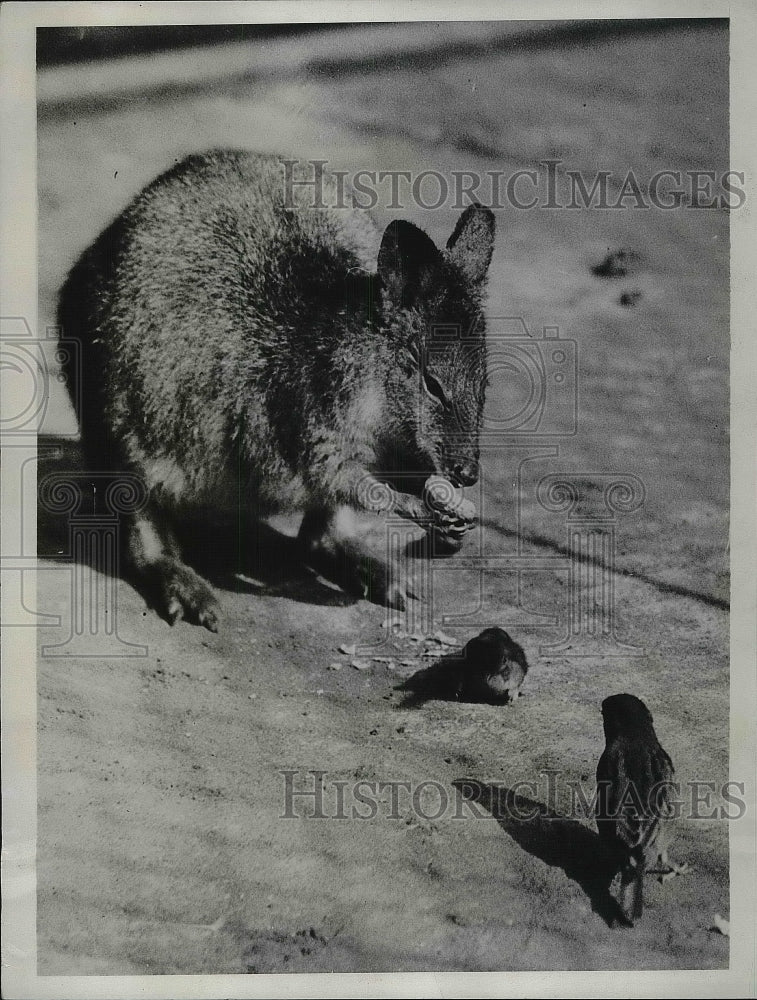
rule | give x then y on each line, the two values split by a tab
186	595
452	514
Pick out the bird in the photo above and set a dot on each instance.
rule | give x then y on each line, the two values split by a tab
635	800
494	667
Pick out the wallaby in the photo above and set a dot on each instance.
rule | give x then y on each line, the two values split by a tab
242	347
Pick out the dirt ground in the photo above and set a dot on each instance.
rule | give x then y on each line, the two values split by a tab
162	844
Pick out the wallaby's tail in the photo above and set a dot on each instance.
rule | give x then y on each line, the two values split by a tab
632	892
85	366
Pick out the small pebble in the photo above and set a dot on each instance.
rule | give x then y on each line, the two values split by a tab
629	299
616	264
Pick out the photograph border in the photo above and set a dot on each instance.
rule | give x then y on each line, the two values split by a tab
18	297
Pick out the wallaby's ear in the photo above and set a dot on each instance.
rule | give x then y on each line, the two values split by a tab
406	258
470	245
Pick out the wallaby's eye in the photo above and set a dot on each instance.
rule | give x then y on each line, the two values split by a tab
434	388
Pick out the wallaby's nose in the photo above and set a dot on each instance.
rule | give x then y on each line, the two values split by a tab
466	473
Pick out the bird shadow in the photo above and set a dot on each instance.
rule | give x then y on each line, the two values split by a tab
438	682
444	680
556	840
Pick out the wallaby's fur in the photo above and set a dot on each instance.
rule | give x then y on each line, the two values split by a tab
241	351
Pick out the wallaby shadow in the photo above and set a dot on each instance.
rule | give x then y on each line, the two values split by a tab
557	840
253	557
249	556
432	546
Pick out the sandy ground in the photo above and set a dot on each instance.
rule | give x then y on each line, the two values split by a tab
162	843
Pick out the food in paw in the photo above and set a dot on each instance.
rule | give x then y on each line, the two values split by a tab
453	515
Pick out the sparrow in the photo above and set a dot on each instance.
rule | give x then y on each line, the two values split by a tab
635	800
493	668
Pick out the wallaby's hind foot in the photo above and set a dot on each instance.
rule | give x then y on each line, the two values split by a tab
388	583
381	581
173	587
329	542
182	593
